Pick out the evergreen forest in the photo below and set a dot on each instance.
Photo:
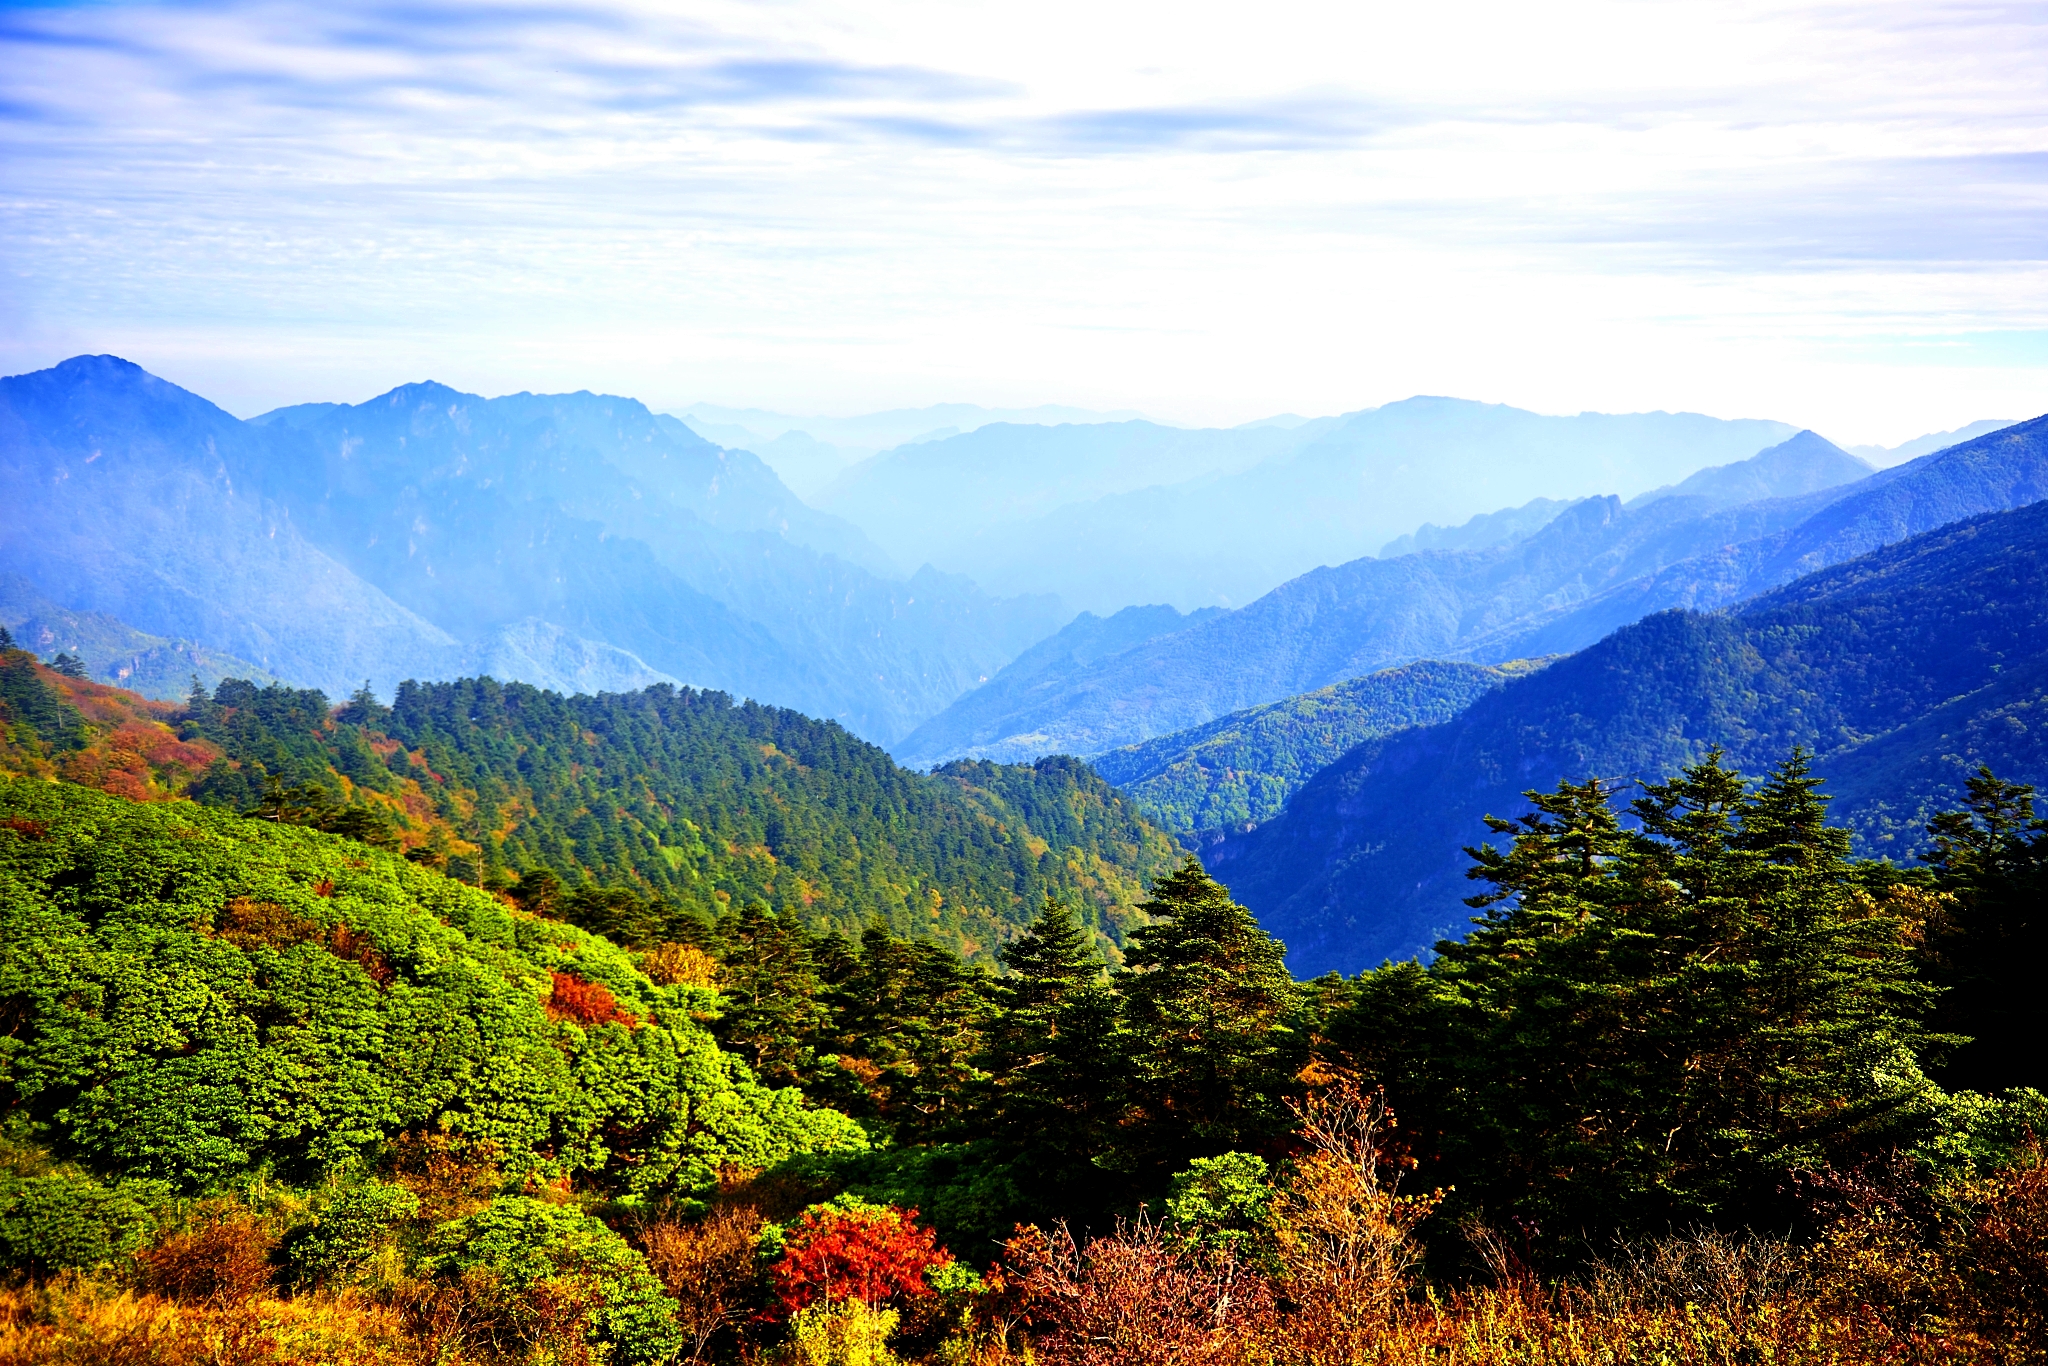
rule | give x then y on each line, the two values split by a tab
506	1027
692	801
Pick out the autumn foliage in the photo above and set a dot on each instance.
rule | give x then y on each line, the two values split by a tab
587	1003
864	1252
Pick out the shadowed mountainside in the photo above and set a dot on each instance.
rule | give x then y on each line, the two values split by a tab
1900	671
1597	565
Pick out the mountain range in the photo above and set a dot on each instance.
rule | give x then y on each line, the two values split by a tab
1899	671
808	453
1596	565
1108	515
576	541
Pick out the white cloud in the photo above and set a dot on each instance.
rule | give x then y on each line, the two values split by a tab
1829	213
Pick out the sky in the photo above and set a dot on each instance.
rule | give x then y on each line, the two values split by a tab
1831	214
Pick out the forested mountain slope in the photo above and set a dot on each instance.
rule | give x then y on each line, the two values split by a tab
1241	769
1901	671
1595	566
685	796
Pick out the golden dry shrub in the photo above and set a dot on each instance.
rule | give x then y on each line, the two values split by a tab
2001	1252
76	1321
708	1268
1342	1232
230	1256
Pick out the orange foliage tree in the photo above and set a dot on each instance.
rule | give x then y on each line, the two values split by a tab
869	1253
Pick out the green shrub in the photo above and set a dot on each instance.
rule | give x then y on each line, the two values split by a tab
47	1222
540	1257
349	1230
1224	1200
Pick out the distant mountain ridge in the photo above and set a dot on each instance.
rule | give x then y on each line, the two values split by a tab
575	540
1242	516
1900	670
1595	566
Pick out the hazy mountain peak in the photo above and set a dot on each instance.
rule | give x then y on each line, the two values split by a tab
1805	462
1884	457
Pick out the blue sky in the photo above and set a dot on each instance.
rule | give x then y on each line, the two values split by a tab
1833	214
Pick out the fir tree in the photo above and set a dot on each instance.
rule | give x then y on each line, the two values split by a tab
907	1017
1987	949
1206	1004
1050	1050
769	977
1655	1025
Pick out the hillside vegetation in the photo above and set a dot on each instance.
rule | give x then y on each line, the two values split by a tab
1900	671
687	797
273	1096
1240	770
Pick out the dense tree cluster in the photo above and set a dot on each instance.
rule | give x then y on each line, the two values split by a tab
686	797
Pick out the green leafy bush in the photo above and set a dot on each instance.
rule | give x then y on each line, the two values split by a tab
48	1222
349	1230
541	1257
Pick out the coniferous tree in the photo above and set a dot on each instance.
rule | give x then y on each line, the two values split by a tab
1988	946
768	975
1655	1025
1210	1056
1051	1050
907	1017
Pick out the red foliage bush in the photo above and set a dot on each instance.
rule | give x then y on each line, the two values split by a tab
587	1003
361	950
1140	1298
869	1254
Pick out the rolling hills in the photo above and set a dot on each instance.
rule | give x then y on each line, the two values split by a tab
1900	670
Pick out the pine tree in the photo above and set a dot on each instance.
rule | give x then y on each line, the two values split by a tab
769	977
1987	950
1206	1004
1654	1025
